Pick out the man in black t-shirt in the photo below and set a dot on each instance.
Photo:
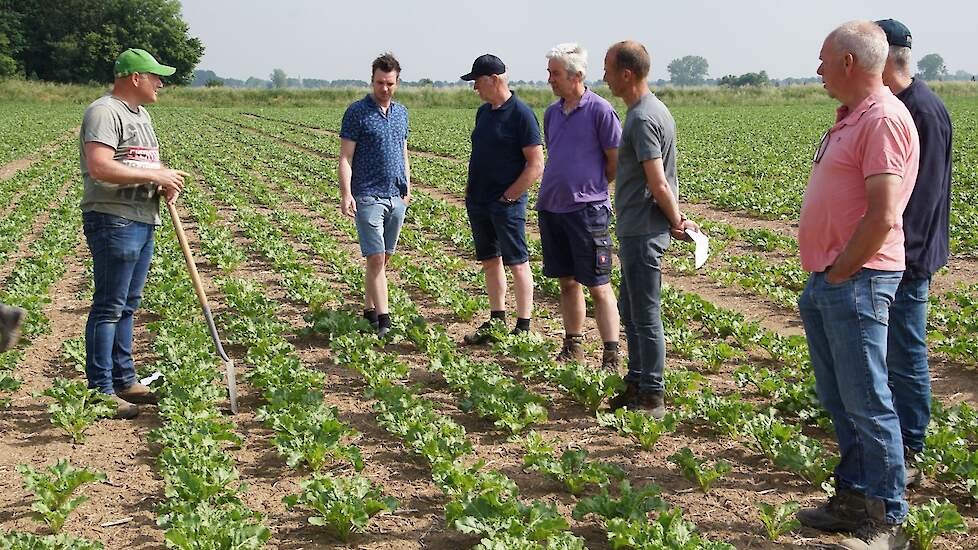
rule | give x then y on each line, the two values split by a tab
925	225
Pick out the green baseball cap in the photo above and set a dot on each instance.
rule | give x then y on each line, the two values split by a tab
135	60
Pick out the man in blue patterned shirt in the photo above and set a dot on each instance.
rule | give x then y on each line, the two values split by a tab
375	180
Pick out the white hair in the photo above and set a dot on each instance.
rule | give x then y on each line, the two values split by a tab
901	57
866	41
573	56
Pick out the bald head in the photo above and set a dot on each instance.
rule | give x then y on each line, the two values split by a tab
632	56
865	41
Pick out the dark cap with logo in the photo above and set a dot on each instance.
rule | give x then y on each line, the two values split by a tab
897	34
485	65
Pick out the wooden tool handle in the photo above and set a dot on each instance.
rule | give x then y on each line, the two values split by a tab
188	255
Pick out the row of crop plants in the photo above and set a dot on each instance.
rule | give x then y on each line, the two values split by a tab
779	441
28	127
444	348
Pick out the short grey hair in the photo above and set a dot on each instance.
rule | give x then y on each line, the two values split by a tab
866	41
901	57
572	55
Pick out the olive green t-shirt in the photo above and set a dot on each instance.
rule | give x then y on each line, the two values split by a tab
108	120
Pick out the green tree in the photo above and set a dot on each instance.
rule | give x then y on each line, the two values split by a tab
279	78
746	79
78	40
688	70
931	67
426	83
11	40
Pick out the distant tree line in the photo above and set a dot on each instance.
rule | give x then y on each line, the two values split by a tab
692	70
79	40
280	79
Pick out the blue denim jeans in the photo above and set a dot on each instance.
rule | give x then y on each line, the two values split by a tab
121	250
846	328
906	360
379	221
639	304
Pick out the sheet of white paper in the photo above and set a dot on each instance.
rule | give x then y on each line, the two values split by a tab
702	247
151	378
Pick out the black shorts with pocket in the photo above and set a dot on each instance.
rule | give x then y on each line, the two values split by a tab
577	244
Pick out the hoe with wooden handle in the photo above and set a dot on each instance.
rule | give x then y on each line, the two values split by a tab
195	277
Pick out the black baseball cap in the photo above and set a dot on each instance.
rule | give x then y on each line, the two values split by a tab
485	65
897	34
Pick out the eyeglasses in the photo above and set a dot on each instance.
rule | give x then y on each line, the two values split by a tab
823	144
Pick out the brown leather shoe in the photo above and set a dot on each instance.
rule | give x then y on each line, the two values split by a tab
572	350
138	393
124	409
875	533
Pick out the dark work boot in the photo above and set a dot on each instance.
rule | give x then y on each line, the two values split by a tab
625	398
845	511
914	474
572	350
652	402
875	533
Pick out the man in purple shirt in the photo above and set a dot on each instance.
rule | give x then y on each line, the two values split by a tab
582	133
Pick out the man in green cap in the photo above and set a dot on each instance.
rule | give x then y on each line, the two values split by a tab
124	179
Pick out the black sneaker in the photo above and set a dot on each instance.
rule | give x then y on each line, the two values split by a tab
481	336
651	402
875	533
845	511
11	319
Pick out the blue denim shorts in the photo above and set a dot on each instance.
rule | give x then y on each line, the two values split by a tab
577	244
499	229
379	221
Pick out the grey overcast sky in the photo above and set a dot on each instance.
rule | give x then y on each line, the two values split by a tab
438	39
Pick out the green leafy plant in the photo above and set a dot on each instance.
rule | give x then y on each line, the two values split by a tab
694	468
53	489
8	384
925	523
344	504
30	541
631	504
642	428
589	386
203	526
779	519
572	468
313	437
76	407
668	530
73	350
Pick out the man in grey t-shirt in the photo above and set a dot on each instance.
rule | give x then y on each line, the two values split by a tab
647	209
124	179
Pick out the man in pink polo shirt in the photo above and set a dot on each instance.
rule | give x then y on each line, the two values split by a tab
851	240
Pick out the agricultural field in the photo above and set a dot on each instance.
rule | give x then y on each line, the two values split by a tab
419	442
